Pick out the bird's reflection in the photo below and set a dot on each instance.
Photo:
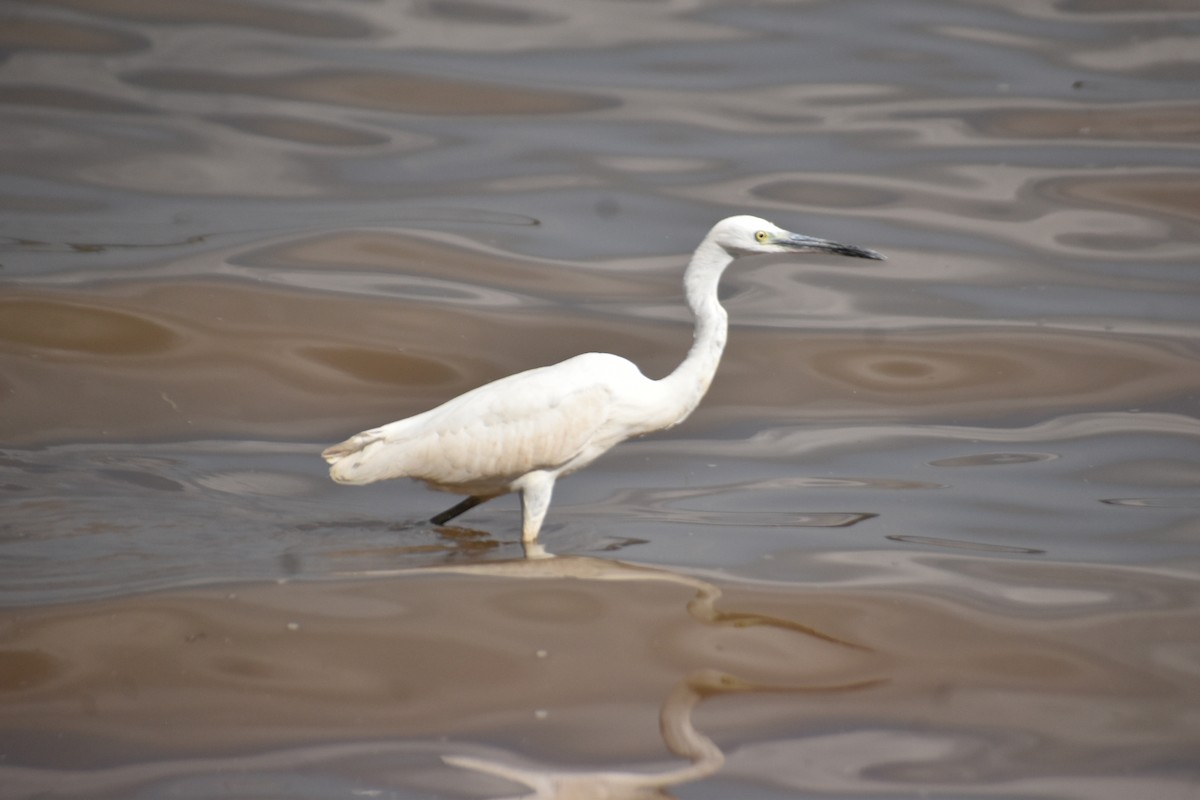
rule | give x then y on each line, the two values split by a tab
236	678
678	733
540	563
281	773
675	714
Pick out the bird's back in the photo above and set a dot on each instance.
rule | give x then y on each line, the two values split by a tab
555	418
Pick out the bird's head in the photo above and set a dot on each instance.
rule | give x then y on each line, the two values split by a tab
746	235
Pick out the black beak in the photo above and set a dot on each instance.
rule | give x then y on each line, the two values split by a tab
809	244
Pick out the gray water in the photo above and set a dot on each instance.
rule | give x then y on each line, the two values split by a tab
933	531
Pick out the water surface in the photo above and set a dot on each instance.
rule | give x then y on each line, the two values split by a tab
933	532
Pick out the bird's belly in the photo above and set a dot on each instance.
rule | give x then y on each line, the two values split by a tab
479	488
488	469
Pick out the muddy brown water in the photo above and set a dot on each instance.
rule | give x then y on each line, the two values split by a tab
934	532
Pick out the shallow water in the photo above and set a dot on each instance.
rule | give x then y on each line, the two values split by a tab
933	532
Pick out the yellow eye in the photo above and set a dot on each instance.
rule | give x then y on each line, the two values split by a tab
761	237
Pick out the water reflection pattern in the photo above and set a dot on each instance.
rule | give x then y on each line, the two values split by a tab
201	646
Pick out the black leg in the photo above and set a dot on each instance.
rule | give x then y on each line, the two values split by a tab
465	505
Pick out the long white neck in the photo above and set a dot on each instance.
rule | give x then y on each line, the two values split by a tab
679	393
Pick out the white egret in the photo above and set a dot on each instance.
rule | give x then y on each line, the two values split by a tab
523	432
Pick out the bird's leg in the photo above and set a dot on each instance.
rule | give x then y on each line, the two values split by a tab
464	506
535	500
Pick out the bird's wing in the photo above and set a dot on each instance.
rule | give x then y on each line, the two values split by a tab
544	418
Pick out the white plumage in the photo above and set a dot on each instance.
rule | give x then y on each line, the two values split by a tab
523	432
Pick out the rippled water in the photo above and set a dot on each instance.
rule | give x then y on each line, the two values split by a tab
932	533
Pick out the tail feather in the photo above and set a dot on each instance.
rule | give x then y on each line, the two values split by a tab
354	444
350	461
